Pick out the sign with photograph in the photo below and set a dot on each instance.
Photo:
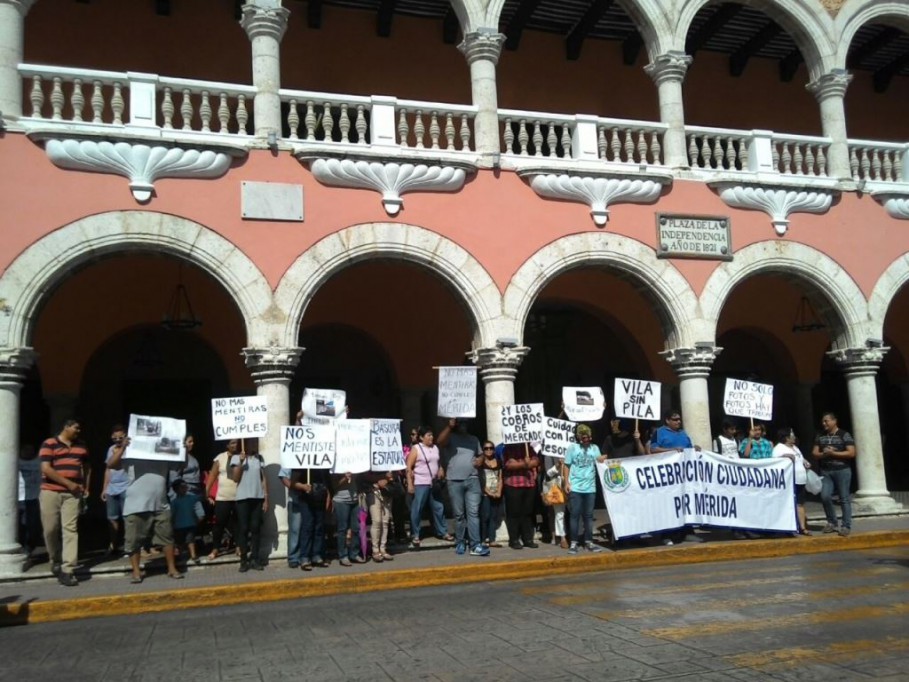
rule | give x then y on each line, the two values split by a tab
457	392
636	399
322	406
522	423
352	450
245	417
748	399
156	438
386	452
583	403
308	447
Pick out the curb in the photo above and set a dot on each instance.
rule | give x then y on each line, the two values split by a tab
22	613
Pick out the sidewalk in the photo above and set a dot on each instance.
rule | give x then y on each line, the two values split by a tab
105	589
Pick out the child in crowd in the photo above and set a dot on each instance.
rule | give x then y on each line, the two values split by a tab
187	513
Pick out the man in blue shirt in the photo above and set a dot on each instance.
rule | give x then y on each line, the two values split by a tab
672	438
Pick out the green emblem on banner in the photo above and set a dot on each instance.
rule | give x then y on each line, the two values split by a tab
616	478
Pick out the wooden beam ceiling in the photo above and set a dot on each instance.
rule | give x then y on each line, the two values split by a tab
711	27
883	76
858	55
450	27
385	16
740	57
518	22
575	40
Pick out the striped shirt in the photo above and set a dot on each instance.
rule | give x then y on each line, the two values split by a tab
66	460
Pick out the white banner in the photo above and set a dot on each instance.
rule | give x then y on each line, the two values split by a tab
583	403
307	447
635	399
558	434
245	417
457	392
386	449
659	492
157	438
352	446
748	399
522	423
321	406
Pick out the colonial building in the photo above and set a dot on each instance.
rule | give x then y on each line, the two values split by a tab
205	198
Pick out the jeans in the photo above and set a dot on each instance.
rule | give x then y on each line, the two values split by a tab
346	515
842	480
582	504
294	531
465	506
249	526
489	517
421	493
312	532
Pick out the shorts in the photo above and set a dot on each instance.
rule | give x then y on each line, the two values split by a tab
115	506
141	526
185	536
800	493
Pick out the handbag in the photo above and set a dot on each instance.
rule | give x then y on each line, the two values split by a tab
813	482
438	484
552	492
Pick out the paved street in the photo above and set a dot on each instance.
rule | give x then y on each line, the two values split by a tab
833	616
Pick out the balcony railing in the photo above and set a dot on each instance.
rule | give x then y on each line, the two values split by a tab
878	161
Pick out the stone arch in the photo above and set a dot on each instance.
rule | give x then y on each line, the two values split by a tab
658	280
458	268
39	269
805	20
845	309
885	289
855	15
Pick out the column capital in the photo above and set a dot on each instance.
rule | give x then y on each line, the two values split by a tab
22	5
671	66
483	44
15	362
692	362
859	361
831	84
498	364
272	365
264	18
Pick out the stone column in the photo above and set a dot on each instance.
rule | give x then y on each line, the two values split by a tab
829	90
668	71
692	365
272	370
482	49
265	22
12	45
14	362
498	369
860	366
806	426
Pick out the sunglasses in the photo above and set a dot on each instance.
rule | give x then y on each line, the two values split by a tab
487	448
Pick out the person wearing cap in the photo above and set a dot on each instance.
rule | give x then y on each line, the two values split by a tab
580	475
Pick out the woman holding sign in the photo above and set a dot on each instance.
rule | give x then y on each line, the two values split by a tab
580	474
425	477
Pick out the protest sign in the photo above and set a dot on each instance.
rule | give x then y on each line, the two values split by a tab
748	399
307	447
558	434
351	446
583	403
457	392
522	423
245	417
673	489
635	399
386	451
156	438
321	406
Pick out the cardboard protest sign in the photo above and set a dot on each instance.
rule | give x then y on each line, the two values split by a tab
457	392
245	417
352	450
583	403
748	399
321	406
522	423
386	452
156	438
636	399
558	434
308	447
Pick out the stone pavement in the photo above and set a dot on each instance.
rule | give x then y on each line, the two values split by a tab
105	589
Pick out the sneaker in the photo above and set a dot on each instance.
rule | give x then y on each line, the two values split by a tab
829	528
844	531
574	548
67	579
460	548
480	550
593	548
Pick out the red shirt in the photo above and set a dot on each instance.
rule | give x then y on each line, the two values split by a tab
67	461
519	478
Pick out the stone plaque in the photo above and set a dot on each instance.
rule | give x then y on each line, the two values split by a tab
271	201
693	236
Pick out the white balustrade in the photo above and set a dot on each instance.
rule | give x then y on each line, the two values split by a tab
430	125
718	148
531	133
878	161
632	142
800	155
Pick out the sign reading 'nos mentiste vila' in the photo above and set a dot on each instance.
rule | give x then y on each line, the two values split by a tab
692	236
